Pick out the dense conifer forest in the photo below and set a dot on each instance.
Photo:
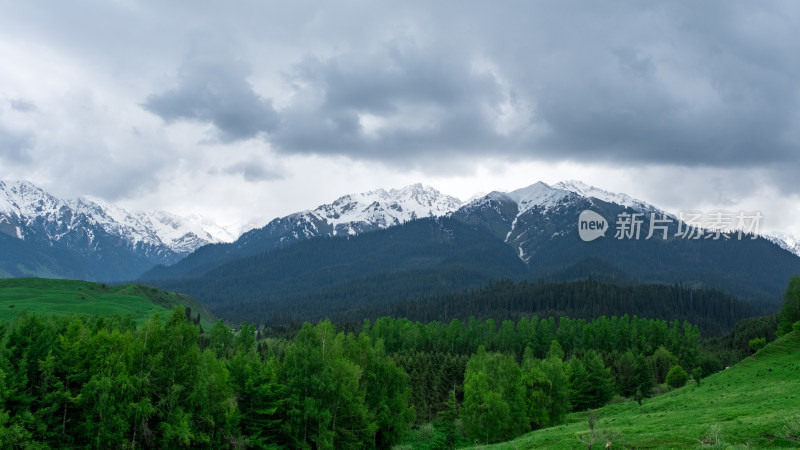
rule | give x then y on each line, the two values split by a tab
108	382
712	310
331	276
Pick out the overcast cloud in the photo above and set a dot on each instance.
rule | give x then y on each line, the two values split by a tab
262	98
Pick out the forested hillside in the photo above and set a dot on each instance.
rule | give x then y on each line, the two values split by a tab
423	259
753	404
106	382
326	275
711	310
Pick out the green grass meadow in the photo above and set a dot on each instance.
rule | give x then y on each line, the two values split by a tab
754	404
61	297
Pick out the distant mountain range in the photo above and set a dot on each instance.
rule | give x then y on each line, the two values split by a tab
390	244
85	238
360	250
348	215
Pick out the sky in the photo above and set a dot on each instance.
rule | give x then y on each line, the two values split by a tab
255	109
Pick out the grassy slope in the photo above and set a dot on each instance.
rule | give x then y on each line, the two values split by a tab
747	404
49	296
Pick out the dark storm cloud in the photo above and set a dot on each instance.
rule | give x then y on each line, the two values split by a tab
677	83
711	85
627	112
213	88
419	98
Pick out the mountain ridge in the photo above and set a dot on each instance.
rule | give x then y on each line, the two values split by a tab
348	215
109	242
91	233
526	235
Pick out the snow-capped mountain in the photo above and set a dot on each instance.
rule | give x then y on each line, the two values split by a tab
585	190
537	195
87	238
348	215
543	197
527	234
516	216
26	203
182	235
97	233
355	213
786	241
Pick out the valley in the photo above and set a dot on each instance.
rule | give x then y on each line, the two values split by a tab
400	225
423	322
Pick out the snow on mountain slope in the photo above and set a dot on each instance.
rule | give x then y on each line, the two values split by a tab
585	190
348	215
382	209
180	234
21	199
545	196
785	240
537	194
26	208
520	215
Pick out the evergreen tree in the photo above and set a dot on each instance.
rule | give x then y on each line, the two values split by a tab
555	371
644	377
590	381
494	398
258	396
624	370
790	311
386	391
537	391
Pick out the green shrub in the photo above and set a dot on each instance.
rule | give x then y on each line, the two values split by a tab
757	343
617	399
426	432
677	377
661	389
697	374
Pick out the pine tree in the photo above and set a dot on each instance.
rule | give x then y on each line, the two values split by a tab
790	311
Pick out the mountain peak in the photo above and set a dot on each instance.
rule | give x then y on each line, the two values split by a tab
530	192
585	190
29	204
537	194
381	208
18	184
23	198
